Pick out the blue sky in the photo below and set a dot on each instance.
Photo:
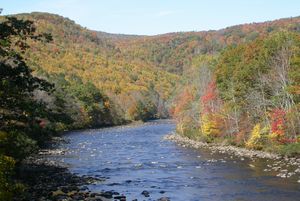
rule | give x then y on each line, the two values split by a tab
149	17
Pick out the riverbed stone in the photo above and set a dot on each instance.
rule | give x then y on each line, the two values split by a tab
146	193
107	194
120	197
164	199
57	193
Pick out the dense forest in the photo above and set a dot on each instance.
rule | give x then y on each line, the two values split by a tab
238	85
247	95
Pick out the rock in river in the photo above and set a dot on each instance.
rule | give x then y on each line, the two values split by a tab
146	193
164	199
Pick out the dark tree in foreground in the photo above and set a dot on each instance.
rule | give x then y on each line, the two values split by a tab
18	109
17	82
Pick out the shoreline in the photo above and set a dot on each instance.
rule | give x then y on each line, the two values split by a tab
125	125
47	180
230	149
282	166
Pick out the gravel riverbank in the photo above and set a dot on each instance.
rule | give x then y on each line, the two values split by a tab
46	180
281	166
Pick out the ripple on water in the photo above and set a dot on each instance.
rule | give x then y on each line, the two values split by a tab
135	159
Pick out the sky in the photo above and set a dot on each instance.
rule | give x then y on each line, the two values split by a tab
151	17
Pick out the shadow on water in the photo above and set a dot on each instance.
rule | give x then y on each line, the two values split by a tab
136	158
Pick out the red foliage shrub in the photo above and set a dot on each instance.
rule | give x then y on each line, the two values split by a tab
278	126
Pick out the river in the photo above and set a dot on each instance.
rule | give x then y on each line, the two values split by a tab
136	158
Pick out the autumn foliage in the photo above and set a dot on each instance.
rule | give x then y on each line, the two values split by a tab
247	95
209	100
278	123
182	102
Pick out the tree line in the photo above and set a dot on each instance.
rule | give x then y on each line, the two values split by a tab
246	95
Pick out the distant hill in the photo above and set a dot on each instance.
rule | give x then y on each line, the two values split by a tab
130	67
79	53
174	51
171	52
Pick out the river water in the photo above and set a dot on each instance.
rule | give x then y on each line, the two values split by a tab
136	158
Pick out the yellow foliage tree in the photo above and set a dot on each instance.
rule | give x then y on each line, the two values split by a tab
256	139
210	125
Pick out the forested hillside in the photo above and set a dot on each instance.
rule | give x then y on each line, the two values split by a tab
106	79
77	56
245	95
139	77
174	52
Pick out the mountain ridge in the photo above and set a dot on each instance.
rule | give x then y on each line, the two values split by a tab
119	35
130	66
